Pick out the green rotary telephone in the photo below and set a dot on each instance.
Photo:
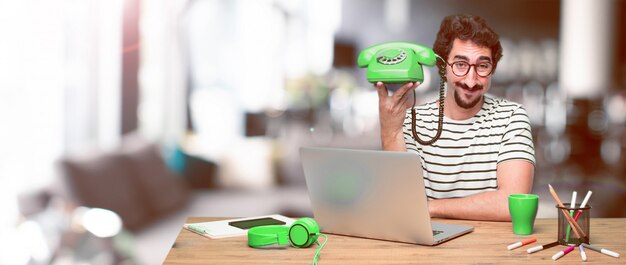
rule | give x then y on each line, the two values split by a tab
401	62
396	62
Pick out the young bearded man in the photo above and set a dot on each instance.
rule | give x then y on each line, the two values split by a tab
485	151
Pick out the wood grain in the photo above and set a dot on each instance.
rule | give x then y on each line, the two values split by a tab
486	245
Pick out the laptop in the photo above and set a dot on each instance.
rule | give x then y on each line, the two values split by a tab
372	194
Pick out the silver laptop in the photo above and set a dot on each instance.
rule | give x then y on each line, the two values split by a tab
372	194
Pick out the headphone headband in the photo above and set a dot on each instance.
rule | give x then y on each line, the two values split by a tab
268	235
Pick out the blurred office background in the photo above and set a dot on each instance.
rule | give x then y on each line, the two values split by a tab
121	118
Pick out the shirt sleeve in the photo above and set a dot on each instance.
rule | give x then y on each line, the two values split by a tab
517	140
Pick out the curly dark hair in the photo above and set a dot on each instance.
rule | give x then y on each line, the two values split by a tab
466	27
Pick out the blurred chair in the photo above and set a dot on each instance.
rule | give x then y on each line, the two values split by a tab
133	181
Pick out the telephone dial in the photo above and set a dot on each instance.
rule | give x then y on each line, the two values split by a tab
401	62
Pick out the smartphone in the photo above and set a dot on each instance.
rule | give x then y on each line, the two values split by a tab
250	223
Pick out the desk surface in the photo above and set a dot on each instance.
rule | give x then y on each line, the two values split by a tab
486	245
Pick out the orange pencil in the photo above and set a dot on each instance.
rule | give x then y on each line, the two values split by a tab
575	227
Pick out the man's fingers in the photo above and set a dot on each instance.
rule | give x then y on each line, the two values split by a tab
407	98
382	89
406	88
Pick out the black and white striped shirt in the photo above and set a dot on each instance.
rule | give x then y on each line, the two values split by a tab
464	159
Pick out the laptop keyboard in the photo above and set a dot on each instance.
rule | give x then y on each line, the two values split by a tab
436	232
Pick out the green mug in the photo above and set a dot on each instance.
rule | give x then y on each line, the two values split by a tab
523	210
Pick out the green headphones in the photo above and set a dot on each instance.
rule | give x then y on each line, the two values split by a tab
301	234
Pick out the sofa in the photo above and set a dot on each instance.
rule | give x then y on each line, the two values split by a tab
154	198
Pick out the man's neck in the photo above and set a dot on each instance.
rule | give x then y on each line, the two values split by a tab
456	112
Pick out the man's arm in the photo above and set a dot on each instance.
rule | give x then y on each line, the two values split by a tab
514	176
392	111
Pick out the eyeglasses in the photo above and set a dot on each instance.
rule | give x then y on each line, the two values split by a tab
461	68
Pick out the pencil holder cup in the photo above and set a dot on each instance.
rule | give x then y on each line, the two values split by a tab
566	234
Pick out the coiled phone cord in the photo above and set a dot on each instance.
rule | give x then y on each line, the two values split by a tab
442	75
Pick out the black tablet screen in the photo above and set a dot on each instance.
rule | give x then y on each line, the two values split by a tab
250	223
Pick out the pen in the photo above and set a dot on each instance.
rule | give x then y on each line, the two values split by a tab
577	230
571	213
601	250
582	205
197	229
521	243
562	253
546	246
582	253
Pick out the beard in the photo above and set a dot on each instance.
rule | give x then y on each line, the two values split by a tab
459	101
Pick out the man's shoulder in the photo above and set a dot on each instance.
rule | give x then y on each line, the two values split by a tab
504	110
493	103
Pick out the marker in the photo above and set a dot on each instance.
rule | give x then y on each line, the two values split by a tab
546	246
197	229
521	243
582	253
571	213
582	205
562	253
573	203
601	250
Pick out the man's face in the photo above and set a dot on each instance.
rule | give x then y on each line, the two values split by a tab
468	90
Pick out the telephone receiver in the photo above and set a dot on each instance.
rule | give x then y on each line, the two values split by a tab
301	234
399	63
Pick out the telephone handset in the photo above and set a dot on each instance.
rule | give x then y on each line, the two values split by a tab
401	62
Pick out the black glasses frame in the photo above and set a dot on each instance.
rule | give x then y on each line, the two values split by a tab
470	67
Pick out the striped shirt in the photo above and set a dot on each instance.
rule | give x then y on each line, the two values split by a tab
464	159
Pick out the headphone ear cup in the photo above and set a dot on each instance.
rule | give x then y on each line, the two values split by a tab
312	225
303	232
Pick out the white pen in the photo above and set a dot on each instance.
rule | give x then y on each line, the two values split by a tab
582	253
582	205
573	203
562	253
571	212
586	199
542	247
601	250
197	229
521	243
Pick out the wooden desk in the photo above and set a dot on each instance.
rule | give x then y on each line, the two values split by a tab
486	245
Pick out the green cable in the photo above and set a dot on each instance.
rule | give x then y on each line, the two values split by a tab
317	252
